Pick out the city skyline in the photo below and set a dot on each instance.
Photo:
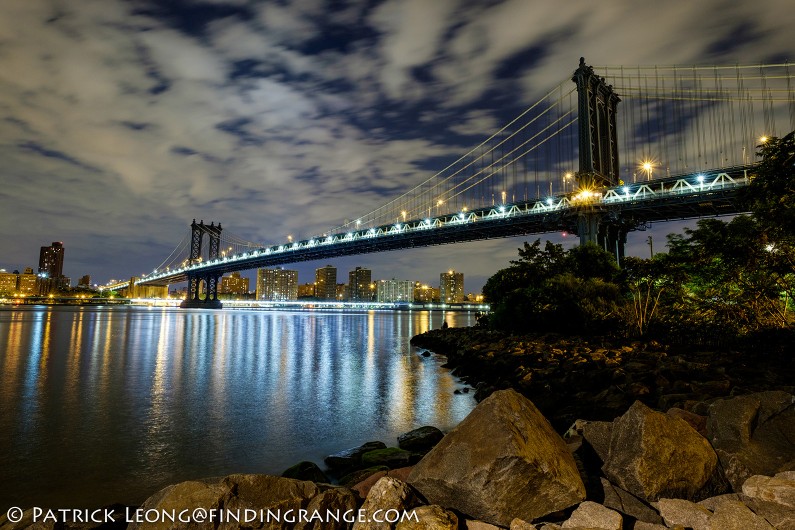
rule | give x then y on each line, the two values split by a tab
123	121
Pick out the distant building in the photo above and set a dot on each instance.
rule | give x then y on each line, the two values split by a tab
326	283
51	260
84	282
451	287
234	284
395	290
277	284
359	285
425	293
27	283
8	283
342	291
306	290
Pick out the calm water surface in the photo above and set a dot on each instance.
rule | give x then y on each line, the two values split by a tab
101	405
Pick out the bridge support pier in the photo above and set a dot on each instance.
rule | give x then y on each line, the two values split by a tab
210	300
608	234
193	299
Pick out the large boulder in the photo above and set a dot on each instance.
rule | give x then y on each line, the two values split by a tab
188	495
779	489
592	515
279	495
420	440
626	503
753	434
350	458
306	471
734	515
654	455
503	461
428	518
391	457
339	501
386	495
684	513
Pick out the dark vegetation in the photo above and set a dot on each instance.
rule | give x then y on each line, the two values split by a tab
720	283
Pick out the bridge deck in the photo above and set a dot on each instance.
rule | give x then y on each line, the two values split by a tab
681	197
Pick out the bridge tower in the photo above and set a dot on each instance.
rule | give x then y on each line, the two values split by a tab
210	301
598	146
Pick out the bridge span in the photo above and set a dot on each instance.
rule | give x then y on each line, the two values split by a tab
622	209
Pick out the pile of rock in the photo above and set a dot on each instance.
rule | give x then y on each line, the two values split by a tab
573	377
504	466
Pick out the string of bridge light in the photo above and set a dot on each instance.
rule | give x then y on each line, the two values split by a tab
690	184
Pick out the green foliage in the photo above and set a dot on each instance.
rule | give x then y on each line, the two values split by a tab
551	289
772	189
719	281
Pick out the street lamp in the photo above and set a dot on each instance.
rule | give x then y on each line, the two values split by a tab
566	179
648	167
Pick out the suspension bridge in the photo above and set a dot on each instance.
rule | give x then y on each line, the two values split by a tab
687	137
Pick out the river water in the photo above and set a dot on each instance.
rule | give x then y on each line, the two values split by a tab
103	405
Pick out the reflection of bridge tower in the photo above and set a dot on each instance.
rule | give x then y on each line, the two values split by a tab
597	104
210	279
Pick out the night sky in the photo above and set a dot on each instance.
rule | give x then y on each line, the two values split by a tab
121	121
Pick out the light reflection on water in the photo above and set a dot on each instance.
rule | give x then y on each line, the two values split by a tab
101	405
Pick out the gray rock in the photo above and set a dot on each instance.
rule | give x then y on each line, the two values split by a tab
420	440
734	515
351	479
592	515
640	525
264	492
470	524
387	494
753	434
185	495
306	471
653	455
597	434
391	457
712	502
335	500
351	457
626	503
684	513
698	422
503	461
429	518
781	517
519	524
772	489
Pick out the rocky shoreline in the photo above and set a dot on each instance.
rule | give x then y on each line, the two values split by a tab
568	434
571	377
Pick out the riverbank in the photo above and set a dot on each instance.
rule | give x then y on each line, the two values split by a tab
569	378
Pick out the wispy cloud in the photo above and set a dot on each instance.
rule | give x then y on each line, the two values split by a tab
121	121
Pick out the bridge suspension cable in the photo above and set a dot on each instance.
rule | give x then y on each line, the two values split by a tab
496	170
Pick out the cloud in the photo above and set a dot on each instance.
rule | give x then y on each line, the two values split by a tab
123	121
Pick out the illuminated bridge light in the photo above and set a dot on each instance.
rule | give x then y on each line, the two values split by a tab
625	190
700	178
502	209
550	201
